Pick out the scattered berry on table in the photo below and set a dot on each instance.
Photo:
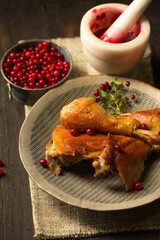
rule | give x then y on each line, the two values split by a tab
1	162
1	172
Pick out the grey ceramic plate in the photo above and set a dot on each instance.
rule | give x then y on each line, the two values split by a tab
77	186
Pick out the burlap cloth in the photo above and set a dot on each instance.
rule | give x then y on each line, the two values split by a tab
55	219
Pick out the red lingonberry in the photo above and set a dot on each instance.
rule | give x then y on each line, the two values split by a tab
133	97
66	63
53	49
40	46
1	162
28	54
96	93
48	75
31	79
13	73
46	44
128	83
12	55
37	85
74	132
97	98
60	63
1	172
31	84
109	88
19	64
9	61
59	55
118	147
56	73
36	61
26	87
5	64
90	131
137	186
36	66
66	70
16	69
143	126
43	162
50	59
46	85
106	84
126	98
41	82
20	74
63	75
18	54
103	87
38	55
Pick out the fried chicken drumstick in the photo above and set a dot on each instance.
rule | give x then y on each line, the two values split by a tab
64	150
84	113
126	162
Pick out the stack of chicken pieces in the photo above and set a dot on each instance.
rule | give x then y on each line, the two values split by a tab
134	144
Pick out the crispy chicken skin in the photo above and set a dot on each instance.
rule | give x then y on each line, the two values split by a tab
149	117
128	162
64	150
84	113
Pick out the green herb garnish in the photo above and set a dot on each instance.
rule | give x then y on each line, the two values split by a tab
112	96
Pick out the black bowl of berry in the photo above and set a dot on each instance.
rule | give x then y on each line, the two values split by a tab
33	67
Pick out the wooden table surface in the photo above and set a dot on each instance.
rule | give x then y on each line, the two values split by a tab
25	19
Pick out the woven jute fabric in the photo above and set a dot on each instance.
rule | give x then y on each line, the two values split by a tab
54	219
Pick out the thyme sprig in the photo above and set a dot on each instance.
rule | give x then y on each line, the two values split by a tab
112	96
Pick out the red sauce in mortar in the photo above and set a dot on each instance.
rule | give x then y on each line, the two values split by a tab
130	36
106	16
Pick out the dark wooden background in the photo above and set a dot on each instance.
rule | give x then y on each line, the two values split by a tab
25	19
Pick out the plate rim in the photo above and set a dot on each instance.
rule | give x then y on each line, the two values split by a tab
59	194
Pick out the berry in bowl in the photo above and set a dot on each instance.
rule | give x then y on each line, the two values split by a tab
33	67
